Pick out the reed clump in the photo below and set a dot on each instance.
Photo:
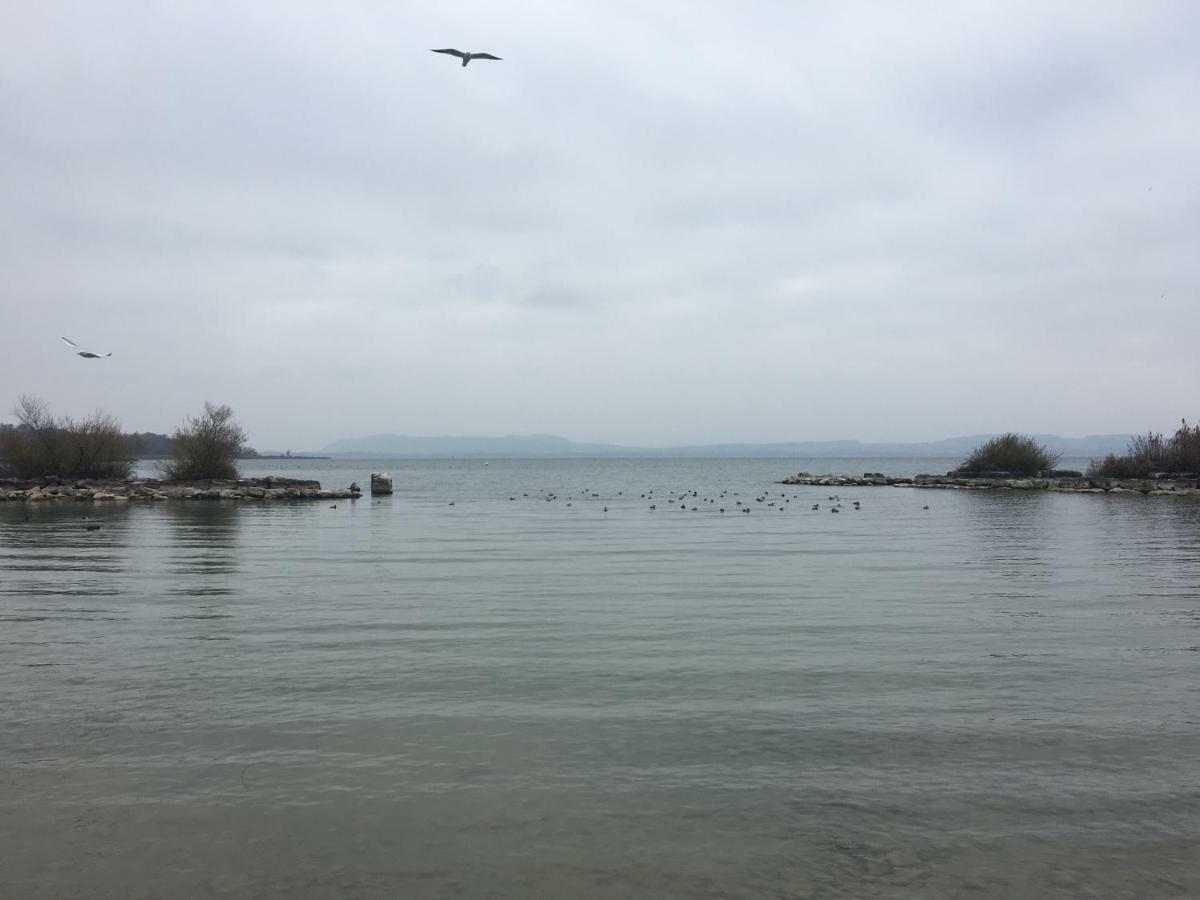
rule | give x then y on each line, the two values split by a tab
1151	453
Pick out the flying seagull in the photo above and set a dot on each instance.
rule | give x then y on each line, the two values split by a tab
466	57
86	354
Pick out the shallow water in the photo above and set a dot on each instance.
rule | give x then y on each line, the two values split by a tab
994	697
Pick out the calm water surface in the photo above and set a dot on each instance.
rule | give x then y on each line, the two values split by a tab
996	697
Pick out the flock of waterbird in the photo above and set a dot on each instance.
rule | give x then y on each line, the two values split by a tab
691	501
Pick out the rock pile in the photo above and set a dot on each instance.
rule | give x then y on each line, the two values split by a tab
1075	482
152	489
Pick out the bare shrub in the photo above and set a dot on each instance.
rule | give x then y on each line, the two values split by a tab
1113	466
34	414
206	447
94	447
1010	452
22	447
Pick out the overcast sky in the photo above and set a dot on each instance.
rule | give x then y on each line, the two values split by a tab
651	223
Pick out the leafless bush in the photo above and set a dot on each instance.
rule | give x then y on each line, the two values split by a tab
206	447
94	447
1113	466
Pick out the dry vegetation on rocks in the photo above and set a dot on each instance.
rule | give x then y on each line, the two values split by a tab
41	445
1151	453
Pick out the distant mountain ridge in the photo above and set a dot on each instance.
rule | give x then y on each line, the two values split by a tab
534	445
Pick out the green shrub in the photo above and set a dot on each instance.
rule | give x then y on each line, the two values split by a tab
1010	452
206	447
94	447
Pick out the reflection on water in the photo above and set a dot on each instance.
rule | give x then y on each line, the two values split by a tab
991	697
84	549
202	568
202	559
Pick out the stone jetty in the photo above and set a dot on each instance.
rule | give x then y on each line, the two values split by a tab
149	489
1066	481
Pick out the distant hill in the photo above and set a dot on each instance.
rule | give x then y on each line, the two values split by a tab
514	445
535	445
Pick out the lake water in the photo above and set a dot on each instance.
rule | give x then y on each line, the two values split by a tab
997	696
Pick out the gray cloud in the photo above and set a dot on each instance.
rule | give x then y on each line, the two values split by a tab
693	222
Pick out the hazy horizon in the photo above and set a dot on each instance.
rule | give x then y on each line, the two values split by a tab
1114	440
389	445
688	224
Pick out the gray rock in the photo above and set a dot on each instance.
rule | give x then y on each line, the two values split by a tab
381	483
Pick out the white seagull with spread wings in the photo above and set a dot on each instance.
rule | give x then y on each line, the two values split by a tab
466	57
86	354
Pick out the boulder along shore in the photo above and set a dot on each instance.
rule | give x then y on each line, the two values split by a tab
253	489
1070	482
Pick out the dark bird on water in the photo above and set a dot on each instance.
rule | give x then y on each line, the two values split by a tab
466	57
86	354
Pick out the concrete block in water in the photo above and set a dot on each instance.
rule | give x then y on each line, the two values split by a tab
381	483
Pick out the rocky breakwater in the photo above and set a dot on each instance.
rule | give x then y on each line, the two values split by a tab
149	489
1059	480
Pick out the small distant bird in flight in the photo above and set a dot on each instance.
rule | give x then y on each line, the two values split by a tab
86	354
466	57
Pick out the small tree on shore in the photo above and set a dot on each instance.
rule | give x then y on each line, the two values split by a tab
206	447
1010	452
